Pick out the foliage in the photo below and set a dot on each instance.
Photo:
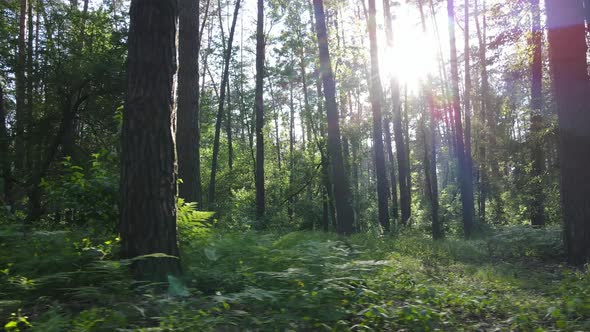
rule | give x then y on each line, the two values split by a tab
84	196
296	281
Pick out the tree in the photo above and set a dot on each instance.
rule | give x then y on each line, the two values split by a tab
342	196
223	92
538	203
430	175
20	90
465	182
467	95
148	174
376	92
5	153
571	84
187	131
400	145
259	111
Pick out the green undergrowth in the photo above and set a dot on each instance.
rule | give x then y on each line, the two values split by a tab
511	279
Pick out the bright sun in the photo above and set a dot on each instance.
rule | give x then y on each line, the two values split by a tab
413	56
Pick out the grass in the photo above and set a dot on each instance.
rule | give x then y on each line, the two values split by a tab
511	279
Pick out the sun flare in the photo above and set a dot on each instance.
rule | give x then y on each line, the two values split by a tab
413	56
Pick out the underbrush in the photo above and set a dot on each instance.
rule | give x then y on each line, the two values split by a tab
72	281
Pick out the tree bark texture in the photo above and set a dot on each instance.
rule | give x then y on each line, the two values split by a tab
148	169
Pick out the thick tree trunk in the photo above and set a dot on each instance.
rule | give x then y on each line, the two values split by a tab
567	55
259	110
376	92
219	119
345	217
187	129
466	184
538	204
148	170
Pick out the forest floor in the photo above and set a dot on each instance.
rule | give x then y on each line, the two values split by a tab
510	279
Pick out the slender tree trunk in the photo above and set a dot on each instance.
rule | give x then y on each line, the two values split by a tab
467	95
259	110
219	119
406	134
464	176
291	149
275	113
189	166
5	154
228	130
345	217
376	92
430	149
437	226
148	172
567	55
483	162
20	90
538	204
400	144
392	177
30	79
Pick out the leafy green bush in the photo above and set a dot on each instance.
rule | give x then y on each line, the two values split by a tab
84	196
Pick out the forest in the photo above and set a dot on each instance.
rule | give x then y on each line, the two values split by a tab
294	165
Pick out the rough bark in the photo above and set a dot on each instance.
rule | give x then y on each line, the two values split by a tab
567	55
148	169
187	129
344	213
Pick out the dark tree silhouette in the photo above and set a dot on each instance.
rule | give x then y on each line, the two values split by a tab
567	55
376	92
259	111
342	196
187	131
465	181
